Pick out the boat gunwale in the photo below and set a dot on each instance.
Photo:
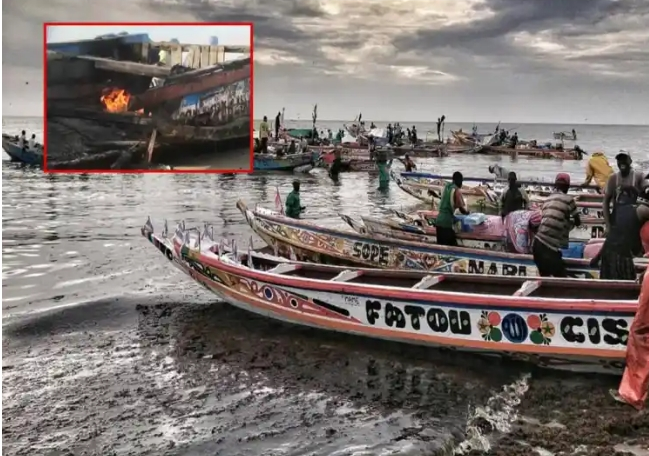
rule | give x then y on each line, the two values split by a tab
403	336
530	303
413	245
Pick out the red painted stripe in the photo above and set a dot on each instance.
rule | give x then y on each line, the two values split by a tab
481	301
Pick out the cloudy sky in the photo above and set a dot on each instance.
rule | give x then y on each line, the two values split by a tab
554	61
227	35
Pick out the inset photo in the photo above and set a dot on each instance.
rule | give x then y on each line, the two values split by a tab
144	98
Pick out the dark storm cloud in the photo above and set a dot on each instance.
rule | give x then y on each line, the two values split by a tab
508	16
572	25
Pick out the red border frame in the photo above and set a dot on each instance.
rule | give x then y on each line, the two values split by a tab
149	171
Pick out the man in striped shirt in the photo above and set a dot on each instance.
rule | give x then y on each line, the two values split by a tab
558	211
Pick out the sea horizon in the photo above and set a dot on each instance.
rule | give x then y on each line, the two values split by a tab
449	121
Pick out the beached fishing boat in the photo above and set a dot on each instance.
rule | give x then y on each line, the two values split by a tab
11	146
314	243
590	193
486	196
488	235
479	196
590	228
268	162
407	230
569	154
490	200
556	323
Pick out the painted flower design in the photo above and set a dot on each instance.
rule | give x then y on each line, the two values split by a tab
488	326
543	330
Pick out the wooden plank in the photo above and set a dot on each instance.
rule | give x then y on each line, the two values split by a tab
284	268
214	55
150	149
528	288
187	46
205	56
145	51
428	282
347	275
176	56
140	69
195	57
186	86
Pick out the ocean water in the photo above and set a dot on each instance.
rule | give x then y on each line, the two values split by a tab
107	350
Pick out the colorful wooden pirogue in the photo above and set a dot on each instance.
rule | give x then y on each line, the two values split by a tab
417	227
486	195
557	323
270	162
318	244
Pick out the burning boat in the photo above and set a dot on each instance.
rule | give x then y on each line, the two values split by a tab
108	98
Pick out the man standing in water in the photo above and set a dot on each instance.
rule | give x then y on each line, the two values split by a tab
451	200
626	178
554	231
264	131
408	164
278	121
293	205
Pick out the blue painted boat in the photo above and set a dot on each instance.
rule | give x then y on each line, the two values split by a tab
19	154
269	162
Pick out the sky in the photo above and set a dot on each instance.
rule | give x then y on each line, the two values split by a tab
227	35
516	61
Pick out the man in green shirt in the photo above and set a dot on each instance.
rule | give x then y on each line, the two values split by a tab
451	200
264	131
293	205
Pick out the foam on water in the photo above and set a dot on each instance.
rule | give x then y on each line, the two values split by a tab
499	412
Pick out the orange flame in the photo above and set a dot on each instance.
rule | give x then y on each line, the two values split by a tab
116	100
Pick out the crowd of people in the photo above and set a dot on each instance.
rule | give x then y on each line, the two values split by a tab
625	211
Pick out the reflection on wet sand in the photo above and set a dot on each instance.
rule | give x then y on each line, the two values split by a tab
193	376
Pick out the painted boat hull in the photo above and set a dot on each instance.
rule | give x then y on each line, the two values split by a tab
547	332
487	198
540	189
311	242
531	186
287	163
532	153
406	229
393	229
21	155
